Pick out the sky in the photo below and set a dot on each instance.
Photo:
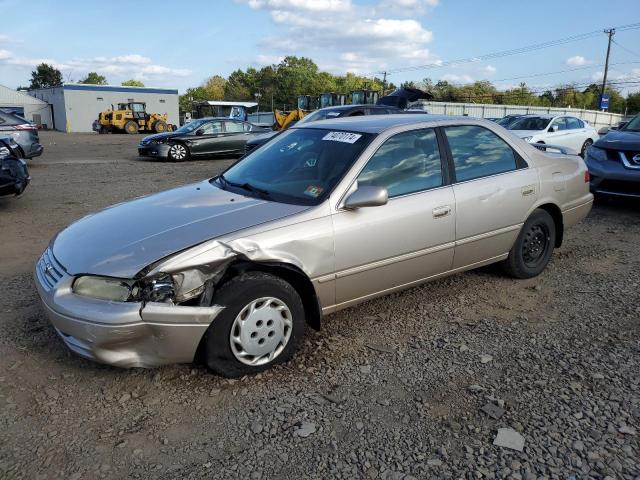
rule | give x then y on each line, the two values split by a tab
180	44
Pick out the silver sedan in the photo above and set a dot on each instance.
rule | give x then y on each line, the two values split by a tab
231	270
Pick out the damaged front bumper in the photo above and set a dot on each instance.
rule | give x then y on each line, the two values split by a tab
123	334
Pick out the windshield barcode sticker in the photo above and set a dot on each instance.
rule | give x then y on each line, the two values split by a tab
345	137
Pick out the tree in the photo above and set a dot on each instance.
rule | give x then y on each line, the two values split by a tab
132	83
45	76
93	78
633	103
215	87
185	102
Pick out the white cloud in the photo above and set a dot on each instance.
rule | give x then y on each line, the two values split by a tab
324	29
577	61
490	69
264	60
116	68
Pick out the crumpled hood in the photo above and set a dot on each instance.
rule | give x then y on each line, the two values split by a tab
122	240
620	140
158	136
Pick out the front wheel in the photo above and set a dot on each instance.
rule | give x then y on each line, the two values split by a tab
585	146
160	126
534	246
131	127
261	325
178	153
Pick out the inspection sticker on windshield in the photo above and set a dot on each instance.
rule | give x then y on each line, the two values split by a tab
345	137
313	191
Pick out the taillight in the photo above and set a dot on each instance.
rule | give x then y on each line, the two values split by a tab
25	126
586	176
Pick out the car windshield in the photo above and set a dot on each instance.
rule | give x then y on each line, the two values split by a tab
300	166
506	121
191	126
530	123
320	115
633	125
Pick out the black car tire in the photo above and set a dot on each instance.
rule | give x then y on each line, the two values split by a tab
533	248
178	152
587	143
131	127
236	296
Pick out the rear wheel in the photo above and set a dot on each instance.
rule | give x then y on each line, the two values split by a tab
178	153
261	325
160	126
585	146
131	127
534	246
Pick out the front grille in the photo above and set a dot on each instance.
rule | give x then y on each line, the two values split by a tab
49	270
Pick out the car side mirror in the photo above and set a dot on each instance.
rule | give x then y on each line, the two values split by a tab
367	196
200	131
554	128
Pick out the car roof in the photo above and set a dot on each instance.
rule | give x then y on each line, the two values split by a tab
379	123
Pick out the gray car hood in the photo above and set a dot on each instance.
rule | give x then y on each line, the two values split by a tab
122	240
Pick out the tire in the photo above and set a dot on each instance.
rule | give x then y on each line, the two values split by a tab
533	248
233	348
178	153
587	143
131	127
160	126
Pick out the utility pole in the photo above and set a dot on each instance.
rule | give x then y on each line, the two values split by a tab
611	32
384	82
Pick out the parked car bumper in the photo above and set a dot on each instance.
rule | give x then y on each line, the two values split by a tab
159	150
36	150
609	177
123	334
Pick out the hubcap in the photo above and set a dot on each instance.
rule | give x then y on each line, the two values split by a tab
261	331
178	152
535	245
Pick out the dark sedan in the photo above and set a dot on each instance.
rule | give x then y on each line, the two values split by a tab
614	161
14	176
204	137
328	113
23	132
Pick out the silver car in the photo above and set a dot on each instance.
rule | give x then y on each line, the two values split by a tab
231	270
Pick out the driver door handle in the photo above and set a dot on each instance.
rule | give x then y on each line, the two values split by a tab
441	211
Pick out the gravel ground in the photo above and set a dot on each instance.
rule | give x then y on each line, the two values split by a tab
406	386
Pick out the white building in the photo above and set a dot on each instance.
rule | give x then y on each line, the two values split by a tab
76	106
33	109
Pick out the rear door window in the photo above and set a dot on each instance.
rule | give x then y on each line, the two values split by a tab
478	152
573	123
233	127
406	163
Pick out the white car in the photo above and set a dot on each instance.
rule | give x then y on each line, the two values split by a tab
561	130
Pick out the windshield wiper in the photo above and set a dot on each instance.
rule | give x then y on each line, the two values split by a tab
245	186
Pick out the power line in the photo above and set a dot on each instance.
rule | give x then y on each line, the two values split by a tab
626	49
515	51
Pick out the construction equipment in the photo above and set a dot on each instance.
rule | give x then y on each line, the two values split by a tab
284	119
332	99
307	102
364	97
131	117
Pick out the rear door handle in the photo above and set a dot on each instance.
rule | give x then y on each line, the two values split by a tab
528	190
442	211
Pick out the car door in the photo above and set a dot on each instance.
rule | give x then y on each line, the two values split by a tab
577	133
235	136
411	238
207	138
558	134
494	189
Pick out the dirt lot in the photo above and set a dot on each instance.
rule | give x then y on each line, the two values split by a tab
390	389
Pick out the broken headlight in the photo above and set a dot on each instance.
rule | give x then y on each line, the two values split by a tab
106	288
159	289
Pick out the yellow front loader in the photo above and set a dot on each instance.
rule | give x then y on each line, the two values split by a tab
131	117
284	119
